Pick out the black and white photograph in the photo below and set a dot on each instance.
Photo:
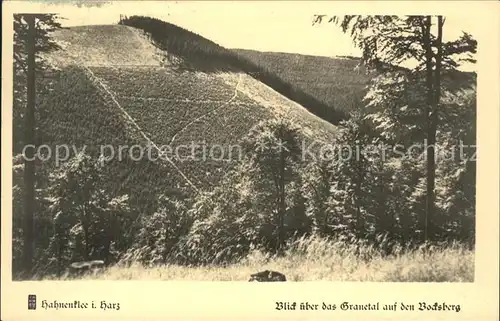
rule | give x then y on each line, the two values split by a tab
167	142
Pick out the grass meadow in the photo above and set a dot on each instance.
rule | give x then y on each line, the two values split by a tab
315	259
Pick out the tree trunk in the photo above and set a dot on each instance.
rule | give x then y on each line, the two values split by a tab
166	245
358	199
281	211
86	231
434	95
434	119
29	163
431	133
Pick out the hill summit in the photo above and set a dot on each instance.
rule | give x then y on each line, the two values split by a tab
105	45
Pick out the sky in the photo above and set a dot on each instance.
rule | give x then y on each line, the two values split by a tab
261	25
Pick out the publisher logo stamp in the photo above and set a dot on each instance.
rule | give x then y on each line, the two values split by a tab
31	302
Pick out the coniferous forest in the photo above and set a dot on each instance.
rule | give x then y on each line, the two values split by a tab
379	165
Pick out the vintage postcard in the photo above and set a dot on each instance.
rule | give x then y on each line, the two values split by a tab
279	160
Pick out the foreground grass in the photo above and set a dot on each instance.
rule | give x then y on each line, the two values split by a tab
321	260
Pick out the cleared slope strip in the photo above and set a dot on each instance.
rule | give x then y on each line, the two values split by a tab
218	122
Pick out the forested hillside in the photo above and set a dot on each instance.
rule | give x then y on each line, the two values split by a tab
278	166
340	82
202	54
90	106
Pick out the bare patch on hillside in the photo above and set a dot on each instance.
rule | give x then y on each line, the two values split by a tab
108	45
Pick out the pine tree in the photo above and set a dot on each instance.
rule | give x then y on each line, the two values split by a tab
31	39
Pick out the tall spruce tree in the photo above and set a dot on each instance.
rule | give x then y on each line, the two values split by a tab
31	40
